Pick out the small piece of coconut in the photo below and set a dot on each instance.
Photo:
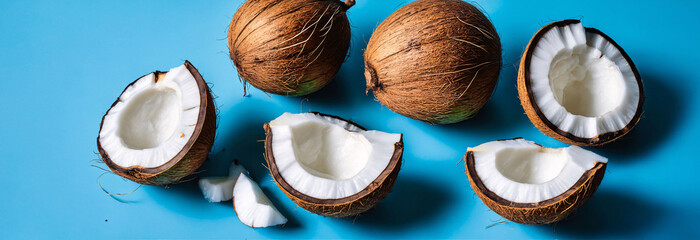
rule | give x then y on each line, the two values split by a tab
252	207
219	189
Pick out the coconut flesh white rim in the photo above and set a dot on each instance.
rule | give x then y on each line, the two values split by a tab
582	83
152	120
252	207
522	171
326	158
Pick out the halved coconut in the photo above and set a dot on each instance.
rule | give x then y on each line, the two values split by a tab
329	165
252	207
578	86
528	183
161	127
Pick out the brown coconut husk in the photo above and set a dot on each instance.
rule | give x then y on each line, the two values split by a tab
544	212
342	207
434	60
527	99
192	155
289	48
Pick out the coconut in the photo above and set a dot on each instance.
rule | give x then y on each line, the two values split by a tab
434	60
579	86
161	127
218	189
289	48
528	183
331	166
252	206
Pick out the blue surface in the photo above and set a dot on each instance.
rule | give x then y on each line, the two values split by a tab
62	64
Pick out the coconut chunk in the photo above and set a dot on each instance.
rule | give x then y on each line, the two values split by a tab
252	207
219	189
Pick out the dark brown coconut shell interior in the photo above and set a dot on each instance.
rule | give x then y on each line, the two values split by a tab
544	212
527	99
289	48
436	61
342	207
190	157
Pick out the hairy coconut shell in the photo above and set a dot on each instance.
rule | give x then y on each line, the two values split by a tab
434	60
342	207
289	48
527	99
544	212
190	157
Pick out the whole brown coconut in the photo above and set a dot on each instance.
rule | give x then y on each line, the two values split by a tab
434	60
193	154
289	48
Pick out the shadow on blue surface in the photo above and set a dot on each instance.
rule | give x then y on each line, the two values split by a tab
610	214
664	106
182	198
413	201
243	141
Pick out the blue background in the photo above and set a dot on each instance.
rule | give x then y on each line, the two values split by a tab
62	63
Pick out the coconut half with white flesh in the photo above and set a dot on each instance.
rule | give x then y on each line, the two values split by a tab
579	86
252	207
532	184
161	127
331	166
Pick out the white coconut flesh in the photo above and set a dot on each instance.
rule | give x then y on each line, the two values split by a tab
153	120
252	206
582	83
522	171
326	158
219	189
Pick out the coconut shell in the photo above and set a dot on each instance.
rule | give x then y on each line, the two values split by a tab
544	212
342	207
289	48
192	155
434	60
527	99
